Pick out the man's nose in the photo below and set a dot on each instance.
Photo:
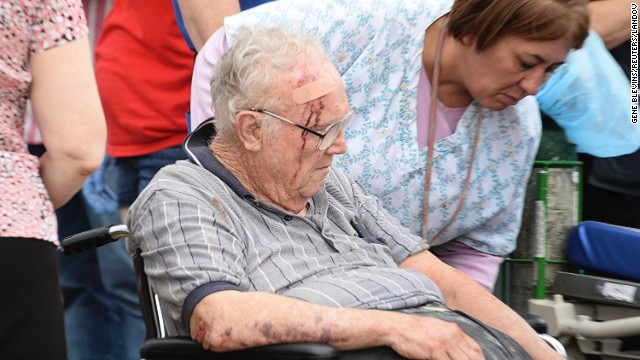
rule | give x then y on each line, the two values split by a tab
339	145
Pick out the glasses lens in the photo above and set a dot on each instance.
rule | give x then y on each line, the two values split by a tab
333	132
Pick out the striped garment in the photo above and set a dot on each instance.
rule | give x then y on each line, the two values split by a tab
200	232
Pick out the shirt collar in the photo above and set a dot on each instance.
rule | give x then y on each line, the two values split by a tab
196	146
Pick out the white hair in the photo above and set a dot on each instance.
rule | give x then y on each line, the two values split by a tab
246	75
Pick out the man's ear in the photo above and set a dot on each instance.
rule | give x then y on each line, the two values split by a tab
249	130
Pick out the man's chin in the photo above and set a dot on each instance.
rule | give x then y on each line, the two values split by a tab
311	190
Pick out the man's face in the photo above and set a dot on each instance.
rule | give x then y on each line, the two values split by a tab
291	154
511	69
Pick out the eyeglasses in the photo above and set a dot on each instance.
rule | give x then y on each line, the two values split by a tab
327	136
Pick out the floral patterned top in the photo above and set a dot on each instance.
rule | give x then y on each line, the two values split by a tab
377	46
26	28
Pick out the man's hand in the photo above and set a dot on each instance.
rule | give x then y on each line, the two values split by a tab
419	337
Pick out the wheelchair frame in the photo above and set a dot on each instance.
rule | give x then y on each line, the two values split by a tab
159	346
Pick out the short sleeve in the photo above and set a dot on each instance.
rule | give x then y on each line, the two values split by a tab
55	22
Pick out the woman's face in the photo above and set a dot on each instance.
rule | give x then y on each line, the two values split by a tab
511	69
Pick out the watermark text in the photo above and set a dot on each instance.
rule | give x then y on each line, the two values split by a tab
634	63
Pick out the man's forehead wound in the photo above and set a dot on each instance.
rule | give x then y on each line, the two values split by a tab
314	89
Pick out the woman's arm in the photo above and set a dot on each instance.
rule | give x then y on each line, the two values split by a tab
611	19
465	294
203	17
67	109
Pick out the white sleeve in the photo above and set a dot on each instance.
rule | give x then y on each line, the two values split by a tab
207	58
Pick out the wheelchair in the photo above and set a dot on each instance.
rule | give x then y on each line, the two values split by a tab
159	346
595	311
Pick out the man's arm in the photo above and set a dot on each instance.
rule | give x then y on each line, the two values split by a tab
463	293
229	320
203	17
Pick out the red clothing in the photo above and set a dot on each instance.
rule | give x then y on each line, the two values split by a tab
143	69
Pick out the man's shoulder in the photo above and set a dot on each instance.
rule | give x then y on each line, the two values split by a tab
181	169
181	181
342	187
337	176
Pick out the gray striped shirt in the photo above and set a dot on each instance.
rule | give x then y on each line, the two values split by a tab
200	232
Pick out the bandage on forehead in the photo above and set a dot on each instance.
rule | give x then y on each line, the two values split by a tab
314	90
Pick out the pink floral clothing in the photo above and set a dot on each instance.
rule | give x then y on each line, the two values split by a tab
26	28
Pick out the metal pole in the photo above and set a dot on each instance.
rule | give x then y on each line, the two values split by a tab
540	234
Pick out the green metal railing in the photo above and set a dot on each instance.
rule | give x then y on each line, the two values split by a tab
539	258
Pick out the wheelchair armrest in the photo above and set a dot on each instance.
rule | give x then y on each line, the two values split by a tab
536	322
93	238
183	347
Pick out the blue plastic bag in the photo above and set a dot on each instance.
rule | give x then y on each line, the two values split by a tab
590	98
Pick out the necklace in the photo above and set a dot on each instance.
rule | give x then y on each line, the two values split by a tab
435	78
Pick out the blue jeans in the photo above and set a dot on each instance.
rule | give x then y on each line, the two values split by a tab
102	315
134	173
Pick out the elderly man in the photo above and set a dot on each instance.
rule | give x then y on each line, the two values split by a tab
258	240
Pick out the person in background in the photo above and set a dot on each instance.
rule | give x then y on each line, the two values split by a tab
98	285
101	309
612	189
201	18
46	58
464	154
611	19
258	239
143	70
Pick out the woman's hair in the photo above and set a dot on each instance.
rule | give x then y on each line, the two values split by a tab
257	60
487	21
